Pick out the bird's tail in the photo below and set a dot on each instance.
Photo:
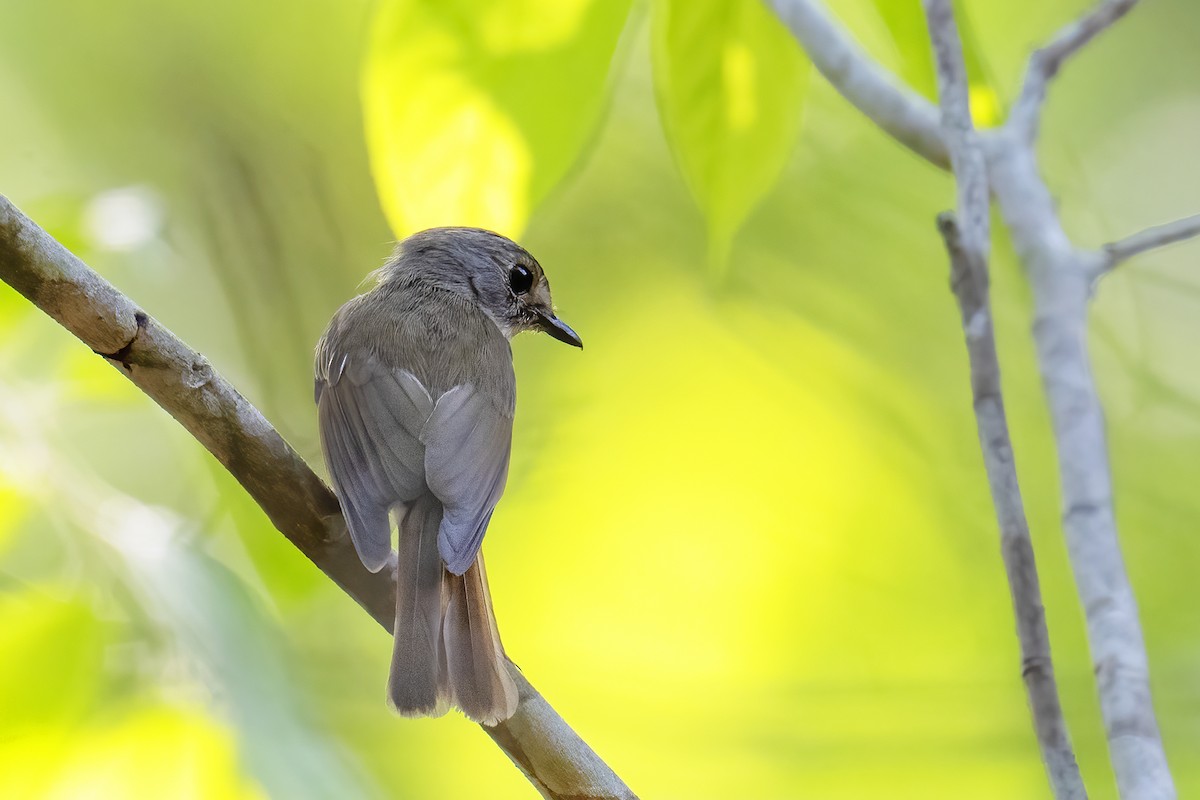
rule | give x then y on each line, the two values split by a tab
447	648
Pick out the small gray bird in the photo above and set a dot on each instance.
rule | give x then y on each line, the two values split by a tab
415	397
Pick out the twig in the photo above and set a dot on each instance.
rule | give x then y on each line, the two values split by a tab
1045	62
1159	236
298	503
1016	548
907	116
968	249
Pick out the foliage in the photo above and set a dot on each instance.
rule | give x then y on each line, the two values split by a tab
475	110
729	82
746	545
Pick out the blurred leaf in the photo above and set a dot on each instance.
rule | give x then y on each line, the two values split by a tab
150	753
272	558
53	668
474	110
12	511
729	81
13	306
228	639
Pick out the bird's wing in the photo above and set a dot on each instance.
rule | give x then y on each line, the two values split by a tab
386	441
468	441
370	418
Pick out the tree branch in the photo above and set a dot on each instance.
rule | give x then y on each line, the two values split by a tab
1045	62
1016	547
1116	252
907	116
298	503
968	250
1061	276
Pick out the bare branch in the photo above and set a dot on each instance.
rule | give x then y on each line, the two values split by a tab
1016	547
298	503
909	118
1061	278
1045	63
968	249
1158	236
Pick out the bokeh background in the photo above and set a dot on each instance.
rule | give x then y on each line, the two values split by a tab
746	549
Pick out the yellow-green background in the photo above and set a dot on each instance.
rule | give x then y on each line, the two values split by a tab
746	548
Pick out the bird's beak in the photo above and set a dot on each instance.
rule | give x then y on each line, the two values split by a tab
558	329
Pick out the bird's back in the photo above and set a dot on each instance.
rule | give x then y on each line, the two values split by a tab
434	334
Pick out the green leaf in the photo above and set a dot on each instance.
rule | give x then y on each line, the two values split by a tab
730	82
54	666
475	109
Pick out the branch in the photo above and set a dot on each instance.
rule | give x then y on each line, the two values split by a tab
907	116
1045	62
1114	253
1016	548
968	249
1061	277
298	503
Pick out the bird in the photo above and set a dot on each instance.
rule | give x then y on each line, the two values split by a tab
415	392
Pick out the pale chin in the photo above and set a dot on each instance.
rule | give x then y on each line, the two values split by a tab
505	326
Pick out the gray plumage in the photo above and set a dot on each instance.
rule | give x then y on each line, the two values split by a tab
415	397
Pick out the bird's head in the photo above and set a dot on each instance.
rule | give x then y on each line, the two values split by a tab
487	269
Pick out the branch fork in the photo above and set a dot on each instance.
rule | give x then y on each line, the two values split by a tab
1062	277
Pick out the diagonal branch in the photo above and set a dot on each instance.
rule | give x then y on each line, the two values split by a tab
542	745
1045	62
1116	252
907	116
970	286
968	249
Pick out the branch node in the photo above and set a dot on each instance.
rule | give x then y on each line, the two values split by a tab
1036	665
947	224
121	356
1113	253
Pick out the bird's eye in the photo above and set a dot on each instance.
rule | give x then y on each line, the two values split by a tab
520	279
